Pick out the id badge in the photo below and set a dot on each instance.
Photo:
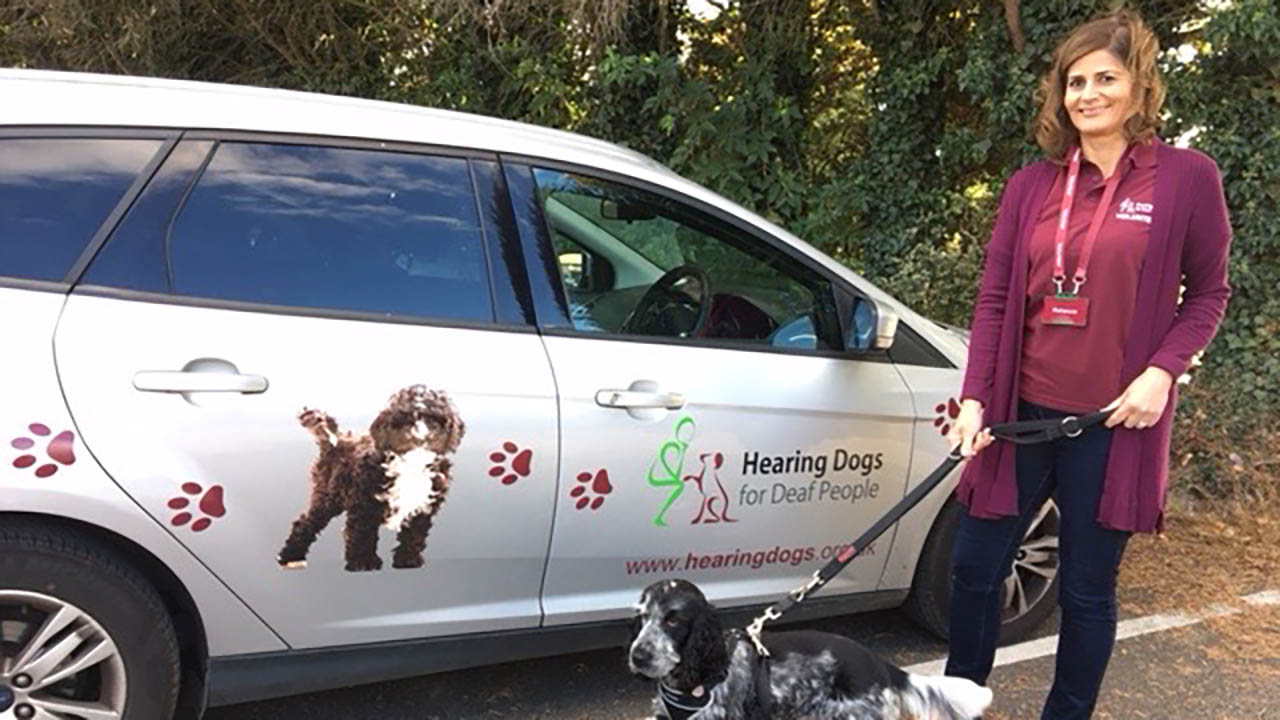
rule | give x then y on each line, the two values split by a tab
1065	310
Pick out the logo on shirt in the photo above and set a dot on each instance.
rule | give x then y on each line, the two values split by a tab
1135	211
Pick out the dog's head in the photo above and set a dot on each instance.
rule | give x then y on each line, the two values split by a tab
677	635
418	418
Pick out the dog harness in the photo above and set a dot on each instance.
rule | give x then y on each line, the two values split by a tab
682	705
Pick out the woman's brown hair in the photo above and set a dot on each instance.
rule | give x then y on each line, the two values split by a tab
1124	35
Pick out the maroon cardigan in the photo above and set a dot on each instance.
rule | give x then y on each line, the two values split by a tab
1189	236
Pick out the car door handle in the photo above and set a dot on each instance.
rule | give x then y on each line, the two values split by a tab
178	381
634	399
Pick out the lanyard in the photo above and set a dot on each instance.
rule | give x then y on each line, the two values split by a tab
1060	238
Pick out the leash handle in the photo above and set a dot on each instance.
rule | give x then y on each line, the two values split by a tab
1030	432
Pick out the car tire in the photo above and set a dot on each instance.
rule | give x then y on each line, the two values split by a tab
127	643
929	602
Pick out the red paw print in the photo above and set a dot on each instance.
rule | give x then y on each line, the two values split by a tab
210	504
520	461
947	414
598	484
59	449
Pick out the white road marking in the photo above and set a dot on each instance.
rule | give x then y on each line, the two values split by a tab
1134	627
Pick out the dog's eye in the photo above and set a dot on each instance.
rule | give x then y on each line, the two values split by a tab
671	619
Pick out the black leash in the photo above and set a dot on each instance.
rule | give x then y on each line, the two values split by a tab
1026	432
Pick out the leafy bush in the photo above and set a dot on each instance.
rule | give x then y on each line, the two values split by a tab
880	132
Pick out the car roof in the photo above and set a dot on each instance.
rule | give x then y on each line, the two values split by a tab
53	98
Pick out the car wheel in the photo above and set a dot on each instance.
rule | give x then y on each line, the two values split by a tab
82	634
1030	593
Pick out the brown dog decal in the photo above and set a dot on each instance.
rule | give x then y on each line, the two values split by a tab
395	475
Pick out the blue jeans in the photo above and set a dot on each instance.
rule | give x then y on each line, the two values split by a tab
1071	471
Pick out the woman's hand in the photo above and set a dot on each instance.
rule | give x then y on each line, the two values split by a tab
968	431
1142	403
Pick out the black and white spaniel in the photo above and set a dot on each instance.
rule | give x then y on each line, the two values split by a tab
705	673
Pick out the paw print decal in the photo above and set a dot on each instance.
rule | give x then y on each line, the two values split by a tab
209	503
947	414
58	449
510	463
587	485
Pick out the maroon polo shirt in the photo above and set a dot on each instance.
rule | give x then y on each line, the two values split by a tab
1078	369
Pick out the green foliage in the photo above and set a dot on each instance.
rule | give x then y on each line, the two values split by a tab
1230	96
880	132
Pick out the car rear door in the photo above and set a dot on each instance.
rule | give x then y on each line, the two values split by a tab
287	338
742	455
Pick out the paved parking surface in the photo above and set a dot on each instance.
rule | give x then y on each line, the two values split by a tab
1165	676
592	685
1172	674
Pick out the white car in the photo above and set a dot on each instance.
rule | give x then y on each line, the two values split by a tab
303	391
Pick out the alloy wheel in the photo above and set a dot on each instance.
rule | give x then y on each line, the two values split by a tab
1035	566
57	661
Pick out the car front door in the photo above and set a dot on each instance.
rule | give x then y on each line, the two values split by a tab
292	356
713	427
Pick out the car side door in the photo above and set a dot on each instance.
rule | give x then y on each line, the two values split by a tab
308	361
713	425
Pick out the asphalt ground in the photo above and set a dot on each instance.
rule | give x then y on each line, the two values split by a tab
1208	670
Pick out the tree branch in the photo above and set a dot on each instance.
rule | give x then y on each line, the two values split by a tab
1011	17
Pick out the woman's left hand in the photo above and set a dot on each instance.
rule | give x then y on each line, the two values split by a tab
1142	403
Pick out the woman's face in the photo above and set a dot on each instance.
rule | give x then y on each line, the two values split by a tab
1099	94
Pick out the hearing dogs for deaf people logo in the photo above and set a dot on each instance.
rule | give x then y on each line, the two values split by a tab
666	470
821	487
714	507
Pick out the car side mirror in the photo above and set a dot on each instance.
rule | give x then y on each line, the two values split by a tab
575	269
872	326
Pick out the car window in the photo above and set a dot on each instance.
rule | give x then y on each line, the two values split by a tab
134	257
55	193
334	228
705	278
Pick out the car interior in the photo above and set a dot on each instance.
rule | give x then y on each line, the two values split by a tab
632	267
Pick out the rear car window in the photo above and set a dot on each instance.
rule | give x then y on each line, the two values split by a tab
135	256
55	193
333	228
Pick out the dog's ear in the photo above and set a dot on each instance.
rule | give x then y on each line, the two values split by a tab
455	427
450	420
704	657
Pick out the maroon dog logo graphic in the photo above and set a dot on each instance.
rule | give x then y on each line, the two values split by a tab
396	475
714	507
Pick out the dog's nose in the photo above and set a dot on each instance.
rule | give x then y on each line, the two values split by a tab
641	656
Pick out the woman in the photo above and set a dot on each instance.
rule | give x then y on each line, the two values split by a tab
1079	309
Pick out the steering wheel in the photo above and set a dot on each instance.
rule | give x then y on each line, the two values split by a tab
652	314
